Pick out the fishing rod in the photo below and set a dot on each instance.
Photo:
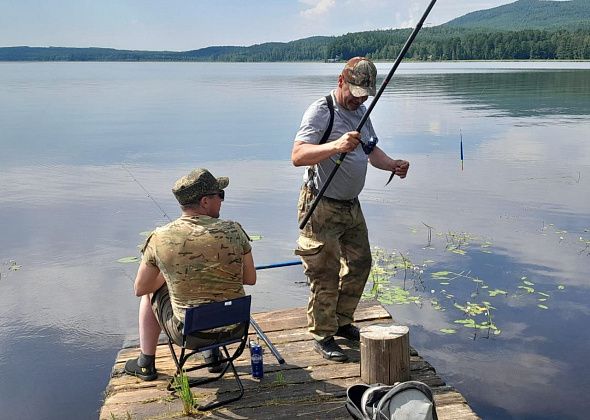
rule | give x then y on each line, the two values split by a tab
277	265
368	112
254	324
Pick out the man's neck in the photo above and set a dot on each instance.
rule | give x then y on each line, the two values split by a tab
338	96
194	212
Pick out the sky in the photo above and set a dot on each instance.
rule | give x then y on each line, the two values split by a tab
181	25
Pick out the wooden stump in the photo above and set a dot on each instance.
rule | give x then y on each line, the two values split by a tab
385	354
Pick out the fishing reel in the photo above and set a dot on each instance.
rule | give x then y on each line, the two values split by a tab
369	145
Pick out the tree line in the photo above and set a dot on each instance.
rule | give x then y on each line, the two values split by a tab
466	44
437	43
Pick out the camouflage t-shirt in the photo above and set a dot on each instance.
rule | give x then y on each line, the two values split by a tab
200	258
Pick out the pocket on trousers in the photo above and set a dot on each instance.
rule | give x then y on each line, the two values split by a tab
308	246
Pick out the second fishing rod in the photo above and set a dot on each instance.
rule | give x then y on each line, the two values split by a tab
365	117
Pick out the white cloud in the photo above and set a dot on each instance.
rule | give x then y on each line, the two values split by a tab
317	8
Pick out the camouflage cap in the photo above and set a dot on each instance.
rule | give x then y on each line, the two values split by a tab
361	75
190	188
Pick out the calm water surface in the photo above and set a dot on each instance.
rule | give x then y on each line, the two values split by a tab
519	211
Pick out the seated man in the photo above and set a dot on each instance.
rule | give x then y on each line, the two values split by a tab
195	259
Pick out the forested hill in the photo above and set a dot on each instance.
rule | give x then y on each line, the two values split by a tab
512	32
529	14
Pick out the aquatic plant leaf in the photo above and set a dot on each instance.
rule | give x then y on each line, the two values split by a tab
440	273
256	237
542	299
448	330
542	306
458	251
472	308
467	321
126	260
527	289
15	267
528	283
496	292
460	307
543	294
561	287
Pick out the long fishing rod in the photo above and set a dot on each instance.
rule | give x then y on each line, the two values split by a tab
254	324
368	112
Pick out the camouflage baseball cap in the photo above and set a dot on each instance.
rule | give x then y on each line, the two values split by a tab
361	75
190	188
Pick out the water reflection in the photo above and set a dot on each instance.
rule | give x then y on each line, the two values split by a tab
70	210
509	93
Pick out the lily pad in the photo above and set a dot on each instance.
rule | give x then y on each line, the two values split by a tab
448	330
126	260
15	267
528	283
527	289
497	292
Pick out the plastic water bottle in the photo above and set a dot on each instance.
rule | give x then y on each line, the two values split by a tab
256	360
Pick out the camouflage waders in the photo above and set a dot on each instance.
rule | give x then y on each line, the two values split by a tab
334	248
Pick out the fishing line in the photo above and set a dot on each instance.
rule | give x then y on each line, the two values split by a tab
146	191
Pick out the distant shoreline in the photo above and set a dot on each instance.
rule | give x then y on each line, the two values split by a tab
406	60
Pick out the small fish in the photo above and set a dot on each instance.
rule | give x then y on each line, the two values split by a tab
390	177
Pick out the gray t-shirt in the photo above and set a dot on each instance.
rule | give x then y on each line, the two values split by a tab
350	178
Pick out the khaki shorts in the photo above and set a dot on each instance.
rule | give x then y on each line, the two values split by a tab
173	327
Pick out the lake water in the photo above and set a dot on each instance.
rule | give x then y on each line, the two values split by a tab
511	228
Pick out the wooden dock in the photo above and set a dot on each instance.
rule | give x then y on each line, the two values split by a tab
306	386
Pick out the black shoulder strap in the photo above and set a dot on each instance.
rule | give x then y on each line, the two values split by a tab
329	129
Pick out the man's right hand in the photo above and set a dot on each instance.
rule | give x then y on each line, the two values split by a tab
347	142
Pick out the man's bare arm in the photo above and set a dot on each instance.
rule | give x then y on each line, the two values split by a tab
379	159
306	154
248	270
148	279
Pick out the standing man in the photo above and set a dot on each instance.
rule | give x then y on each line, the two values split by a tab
196	259
334	244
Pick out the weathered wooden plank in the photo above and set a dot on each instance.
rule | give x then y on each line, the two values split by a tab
288	319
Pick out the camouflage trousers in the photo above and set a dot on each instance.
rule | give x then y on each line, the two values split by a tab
334	248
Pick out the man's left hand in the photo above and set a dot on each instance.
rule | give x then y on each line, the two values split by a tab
401	168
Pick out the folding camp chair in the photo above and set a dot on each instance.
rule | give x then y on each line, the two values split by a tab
206	317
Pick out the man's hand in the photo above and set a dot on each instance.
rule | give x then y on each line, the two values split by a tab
306	154
347	142
401	168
